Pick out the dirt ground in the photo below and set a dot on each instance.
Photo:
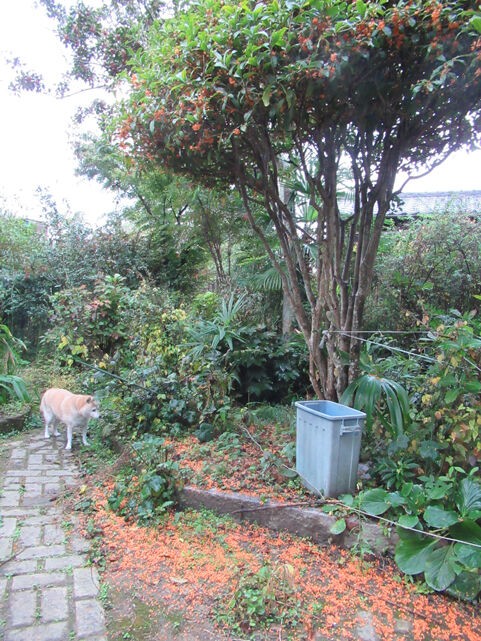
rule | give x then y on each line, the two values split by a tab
203	577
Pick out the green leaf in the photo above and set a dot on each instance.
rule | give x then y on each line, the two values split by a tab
438	517
347	499
451	396
361	7
469	498
442	568
408	520
156	483
412	552
338	527
468	531
475	23
466	586
469	555
374	502
266	96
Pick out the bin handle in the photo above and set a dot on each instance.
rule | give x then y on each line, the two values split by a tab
350	429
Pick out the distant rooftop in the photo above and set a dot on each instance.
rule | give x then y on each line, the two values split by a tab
413	204
417	204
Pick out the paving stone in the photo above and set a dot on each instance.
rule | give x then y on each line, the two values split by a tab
46	632
63	562
11	484
14	567
18	452
6	548
53	533
8	526
79	544
41	551
34	459
51	488
45	519
19	474
89	618
30	535
45	588
22	608
54	604
85	582
10	499
38	579
40	466
61	473
20	511
36	500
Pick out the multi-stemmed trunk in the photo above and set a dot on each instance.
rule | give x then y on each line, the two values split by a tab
325	263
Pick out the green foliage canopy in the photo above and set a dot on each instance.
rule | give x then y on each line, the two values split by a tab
405	76
239	93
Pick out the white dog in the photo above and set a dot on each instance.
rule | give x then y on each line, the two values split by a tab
74	410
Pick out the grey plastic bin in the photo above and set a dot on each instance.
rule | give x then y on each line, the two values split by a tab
328	442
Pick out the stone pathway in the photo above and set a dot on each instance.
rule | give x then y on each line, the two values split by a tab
47	590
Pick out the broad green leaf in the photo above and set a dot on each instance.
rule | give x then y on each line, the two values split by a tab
375	502
408	520
469	555
412	552
466	531
469	498
467	585
395	499
156	483
438	517
442	568
338	527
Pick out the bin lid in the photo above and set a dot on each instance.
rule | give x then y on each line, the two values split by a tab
330	409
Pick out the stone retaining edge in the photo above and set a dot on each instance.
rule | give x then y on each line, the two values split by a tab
305	522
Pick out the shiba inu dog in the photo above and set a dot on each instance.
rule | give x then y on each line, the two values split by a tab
73	410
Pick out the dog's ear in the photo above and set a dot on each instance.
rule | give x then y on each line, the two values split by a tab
89	399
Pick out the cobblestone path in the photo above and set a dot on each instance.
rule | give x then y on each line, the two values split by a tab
47	590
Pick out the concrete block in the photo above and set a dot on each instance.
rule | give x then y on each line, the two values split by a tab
90	618
54	604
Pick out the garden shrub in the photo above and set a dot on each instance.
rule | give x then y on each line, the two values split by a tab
263	598
12	386
86	324
435	261
150	486
263	365
448	412
439	528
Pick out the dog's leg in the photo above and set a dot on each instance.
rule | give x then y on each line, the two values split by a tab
48	418
55	423
84	435
69	437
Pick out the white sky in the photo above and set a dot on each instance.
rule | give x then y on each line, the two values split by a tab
34	129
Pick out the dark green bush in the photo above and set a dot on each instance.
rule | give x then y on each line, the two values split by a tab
435	262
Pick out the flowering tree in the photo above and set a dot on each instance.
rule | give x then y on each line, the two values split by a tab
291	93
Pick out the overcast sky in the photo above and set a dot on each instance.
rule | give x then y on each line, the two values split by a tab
35	130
